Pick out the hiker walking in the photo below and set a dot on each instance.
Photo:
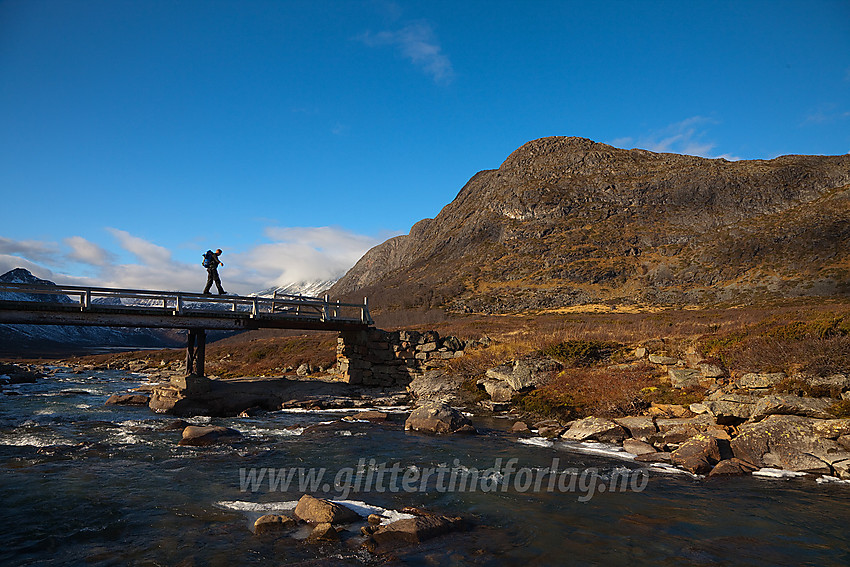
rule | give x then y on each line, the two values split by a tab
211	263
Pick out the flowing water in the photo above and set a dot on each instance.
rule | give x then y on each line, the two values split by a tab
87	484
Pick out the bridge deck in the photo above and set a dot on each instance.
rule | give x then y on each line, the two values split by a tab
110	307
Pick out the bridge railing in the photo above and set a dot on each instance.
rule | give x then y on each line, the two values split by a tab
178	302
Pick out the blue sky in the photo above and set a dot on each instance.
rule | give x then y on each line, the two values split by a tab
295	135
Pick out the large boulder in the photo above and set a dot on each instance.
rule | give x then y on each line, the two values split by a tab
200	436
791	442
732	467
636	447
595	429
498	390
759	380
679	430
698	454
319	511
685	377
323	532
127	400
435	386
412	531
639	427
792	405
731	409
837	382
439	419
271	523
526	373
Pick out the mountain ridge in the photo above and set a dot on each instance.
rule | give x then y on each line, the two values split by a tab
565	221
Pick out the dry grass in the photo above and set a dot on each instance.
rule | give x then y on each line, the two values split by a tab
579	392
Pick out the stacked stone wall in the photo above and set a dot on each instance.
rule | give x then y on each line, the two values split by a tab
375	357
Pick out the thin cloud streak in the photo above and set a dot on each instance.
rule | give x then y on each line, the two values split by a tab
685	137
418	43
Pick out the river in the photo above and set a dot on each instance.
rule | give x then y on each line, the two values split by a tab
88	484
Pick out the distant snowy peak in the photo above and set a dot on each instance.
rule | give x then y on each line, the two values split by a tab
311	289
22	276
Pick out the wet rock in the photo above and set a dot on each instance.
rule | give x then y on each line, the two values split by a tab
251	412
698	454
792	405
208	435
550	431
323	532
659	457
756	380
436	418
339	427
595	429
639	427
375	416
127	400
790	442
176	424
319	511
271	523
411	531
522	427
732	467
636	447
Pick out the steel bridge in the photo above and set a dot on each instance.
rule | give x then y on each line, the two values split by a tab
31	304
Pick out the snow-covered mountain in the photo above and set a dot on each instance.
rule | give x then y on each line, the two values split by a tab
315	288
41	339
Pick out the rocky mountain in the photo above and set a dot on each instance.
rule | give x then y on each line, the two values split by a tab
49	339
566	221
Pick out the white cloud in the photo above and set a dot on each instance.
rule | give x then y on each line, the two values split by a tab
146	252
88	252
305	254
9	262
291	255
34	249
685	137
418	43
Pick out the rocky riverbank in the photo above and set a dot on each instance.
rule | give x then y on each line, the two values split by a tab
743	422
736	423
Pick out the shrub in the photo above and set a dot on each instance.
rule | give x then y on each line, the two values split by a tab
840	409
582	353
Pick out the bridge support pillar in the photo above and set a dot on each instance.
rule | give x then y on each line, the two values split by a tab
195	352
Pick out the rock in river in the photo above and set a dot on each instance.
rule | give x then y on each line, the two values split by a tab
209	435
438	418
318	511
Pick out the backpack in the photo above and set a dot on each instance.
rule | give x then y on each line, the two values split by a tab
210	259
